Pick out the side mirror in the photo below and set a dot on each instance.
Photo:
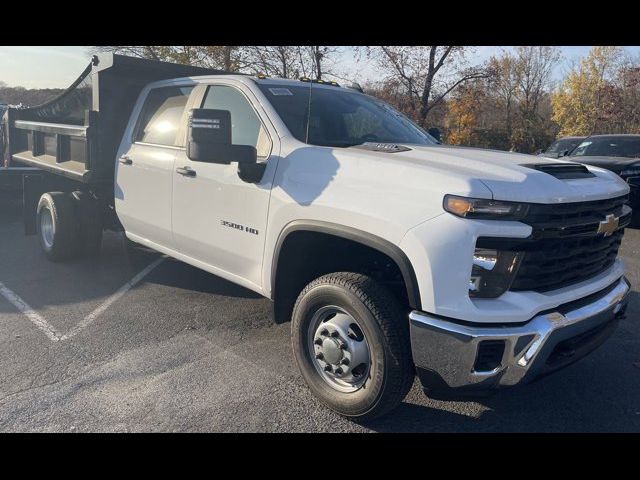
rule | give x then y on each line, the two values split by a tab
209	140
435	133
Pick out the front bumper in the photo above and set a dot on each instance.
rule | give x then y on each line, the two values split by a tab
450	355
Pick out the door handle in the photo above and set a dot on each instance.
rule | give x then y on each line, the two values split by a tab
125	160
186	172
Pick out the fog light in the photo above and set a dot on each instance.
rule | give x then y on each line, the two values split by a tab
492	272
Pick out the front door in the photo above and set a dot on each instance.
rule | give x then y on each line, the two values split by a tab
217	218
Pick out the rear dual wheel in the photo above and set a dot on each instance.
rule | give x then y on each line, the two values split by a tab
68	225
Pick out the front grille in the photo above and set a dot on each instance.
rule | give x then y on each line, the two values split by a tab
573	219
564	247
551	264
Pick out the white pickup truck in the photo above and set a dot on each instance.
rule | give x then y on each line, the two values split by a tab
390	254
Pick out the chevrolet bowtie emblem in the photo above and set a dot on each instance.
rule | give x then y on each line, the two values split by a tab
609	225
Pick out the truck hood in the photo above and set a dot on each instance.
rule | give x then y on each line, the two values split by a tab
509	176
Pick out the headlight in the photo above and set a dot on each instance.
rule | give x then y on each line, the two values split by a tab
481	208
493	272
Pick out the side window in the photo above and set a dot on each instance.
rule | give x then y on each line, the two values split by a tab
246	127
161	116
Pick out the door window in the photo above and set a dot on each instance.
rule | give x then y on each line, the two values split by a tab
246	127
161	116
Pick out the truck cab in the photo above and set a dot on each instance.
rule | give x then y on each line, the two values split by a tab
392	255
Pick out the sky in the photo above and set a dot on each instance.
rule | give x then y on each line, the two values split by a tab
59	66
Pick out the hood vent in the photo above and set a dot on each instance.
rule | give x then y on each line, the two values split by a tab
383	147
563	171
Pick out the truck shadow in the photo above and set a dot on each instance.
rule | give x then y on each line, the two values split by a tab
10	208
306	173
176	274
598	393
171	272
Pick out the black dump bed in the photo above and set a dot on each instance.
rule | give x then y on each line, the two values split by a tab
78	133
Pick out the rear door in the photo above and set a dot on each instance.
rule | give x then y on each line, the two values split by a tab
145	168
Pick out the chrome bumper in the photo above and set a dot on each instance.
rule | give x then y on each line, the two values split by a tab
446	353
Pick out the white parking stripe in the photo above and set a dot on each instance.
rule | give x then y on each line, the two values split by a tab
49	330
30	313
107	303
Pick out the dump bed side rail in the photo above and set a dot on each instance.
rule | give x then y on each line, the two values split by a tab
58	148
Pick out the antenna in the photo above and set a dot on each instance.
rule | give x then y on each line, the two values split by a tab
313	63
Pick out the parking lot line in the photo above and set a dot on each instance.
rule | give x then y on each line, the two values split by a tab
30	313
86	321
49	330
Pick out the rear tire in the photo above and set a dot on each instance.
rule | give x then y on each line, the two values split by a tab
57	226
346	299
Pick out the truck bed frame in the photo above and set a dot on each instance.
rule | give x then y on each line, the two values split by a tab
77	134
70	143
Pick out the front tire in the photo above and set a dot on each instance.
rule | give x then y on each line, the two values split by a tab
351	342
57	226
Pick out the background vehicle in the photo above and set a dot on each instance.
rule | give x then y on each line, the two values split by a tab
391	254
11	173
619	154
562	147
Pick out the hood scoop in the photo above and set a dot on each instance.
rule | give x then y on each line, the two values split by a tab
563	171
383	147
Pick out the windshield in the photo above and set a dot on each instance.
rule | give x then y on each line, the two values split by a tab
628	147
563	144
336	117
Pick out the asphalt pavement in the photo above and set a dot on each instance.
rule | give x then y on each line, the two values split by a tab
96	345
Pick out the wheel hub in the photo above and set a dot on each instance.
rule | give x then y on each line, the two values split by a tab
46	227
331	351
339	350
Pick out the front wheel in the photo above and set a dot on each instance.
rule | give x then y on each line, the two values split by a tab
351	342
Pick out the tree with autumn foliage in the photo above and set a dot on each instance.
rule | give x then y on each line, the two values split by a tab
425	75
509	109
582	100
463	112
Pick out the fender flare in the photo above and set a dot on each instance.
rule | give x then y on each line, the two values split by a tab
349	233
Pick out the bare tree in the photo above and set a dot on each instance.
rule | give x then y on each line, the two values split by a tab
503	80
291	61
229	58
534	66
428	74
321	59
275	61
